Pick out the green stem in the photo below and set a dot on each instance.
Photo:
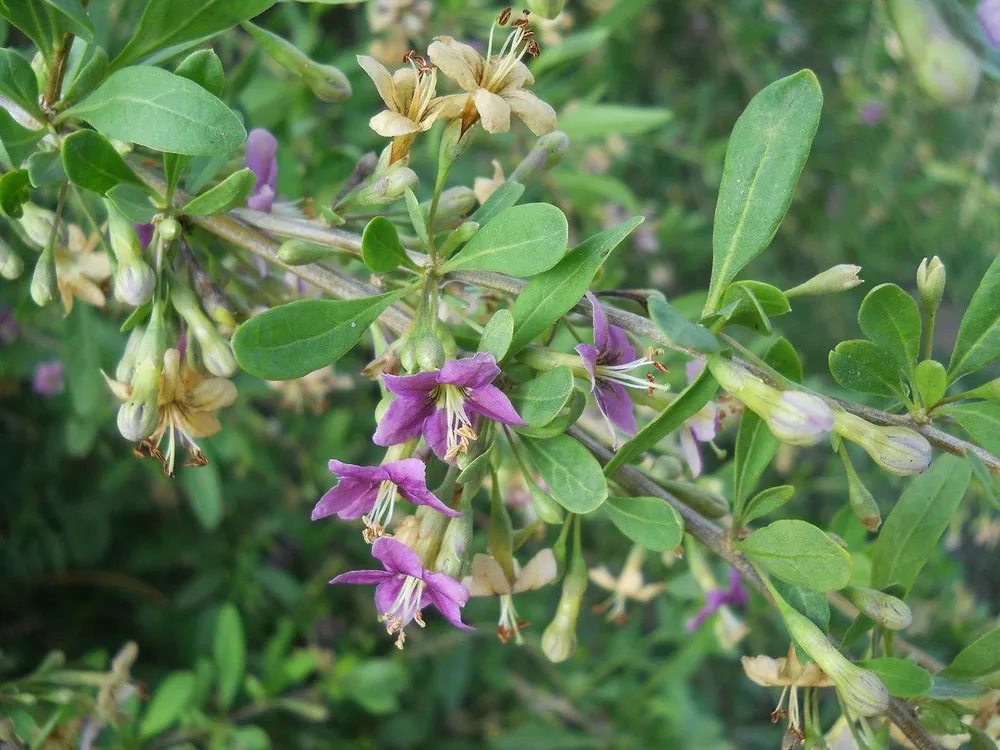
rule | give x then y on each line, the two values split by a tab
442	178
930	317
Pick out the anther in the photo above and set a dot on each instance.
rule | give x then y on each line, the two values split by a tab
504	16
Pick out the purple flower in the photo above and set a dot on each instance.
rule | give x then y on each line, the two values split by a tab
609	361
145	232
439	404
871	114
404	588
262	148
48	379
369	492
702	427
988	13
734	596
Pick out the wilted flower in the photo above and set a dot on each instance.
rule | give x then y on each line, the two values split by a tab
628	585
486	578
409	95
484	187
608	362
702	427
47	379
788	674
80	270
369	493
404	588
494	86
735	596
439	403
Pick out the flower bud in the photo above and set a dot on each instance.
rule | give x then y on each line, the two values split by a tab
37	224
946	69
454	203
547	153
861	691
429	352
216	352
169	229
799	418
302	253
863	504
454	553
388	188
499	542
888	611
832	280
559	638
930	283
328	83
135	283
11	265
898	450
454	142
430	534
126	365
138	416
546	8
43	280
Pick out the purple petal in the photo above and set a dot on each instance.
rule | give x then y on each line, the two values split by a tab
145	232
261	199
397	557
619	350
471	372
589	356
705	424
363	577
614	402
353	471
988	13
408	475
491	402
736	595
387	593
351	498
262	148
448	596
691	452
693	368
413	386
403	420
435	429
600	323
699	619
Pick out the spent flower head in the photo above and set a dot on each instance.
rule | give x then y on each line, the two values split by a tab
628	585
487	578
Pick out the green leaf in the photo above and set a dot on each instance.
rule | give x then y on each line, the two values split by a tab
767	150
944	688
499	201
417	218
230	193
862	366
92	73
981	420
781	356
18	82
767	501
679	329
978	659
45	168
589	121
498	334
167	23
230	651
169	701
688	403
752	304
380	246
203	488
539	401
204	68
799	553
648	521
71	16
92	163
890	319
978	341
290	341
902	679
162	111
931	381
15	190
562	422
554	293
913	528
985	478
807	602
327	83
572	474
16	141
36	19
86	388
520	241
133	203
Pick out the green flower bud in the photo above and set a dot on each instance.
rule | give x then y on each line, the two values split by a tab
898	450
388	188
559	638
126	365
547	153
138	417
832	280
169	229
135	283
546	8
454	203
499	542
863	504
302	253
11	265
430	534
930	283
43	280
429	352
454	142
37	224
135	280
888	611
328	83
216	352
454	554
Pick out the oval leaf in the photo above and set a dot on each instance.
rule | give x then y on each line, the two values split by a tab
168	703
572	474
540	400
767	501
500	200
766	152
18	82
231	192
648	521
862	366
902	679
520	241
497	336
230	650
91	163
981	420
890	319
292	340
979	658
931	381
162	111
978	341
679	329
801	554
381	248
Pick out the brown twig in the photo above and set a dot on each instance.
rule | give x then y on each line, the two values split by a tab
57	70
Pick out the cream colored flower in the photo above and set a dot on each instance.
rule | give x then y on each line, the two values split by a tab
188	400
483	187
409	95
487	578
628	585
80	269
494	86
788	674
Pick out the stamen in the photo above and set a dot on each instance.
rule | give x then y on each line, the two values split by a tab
381	514
504	16
405	608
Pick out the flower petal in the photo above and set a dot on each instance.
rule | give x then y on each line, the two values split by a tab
589	356
397	557
404	82
408	475
448	107
692	369
705	424
372	474
620	350
403	420
603	578
262	199
211	394
363	577
411	385
536	114
493	110
435	429
381	78
492	403
262	148
518	78
691	452
448	596
614	402
469	372
458	61
386	595
541	570
486	577
763	670
600	323
350	498
390	124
